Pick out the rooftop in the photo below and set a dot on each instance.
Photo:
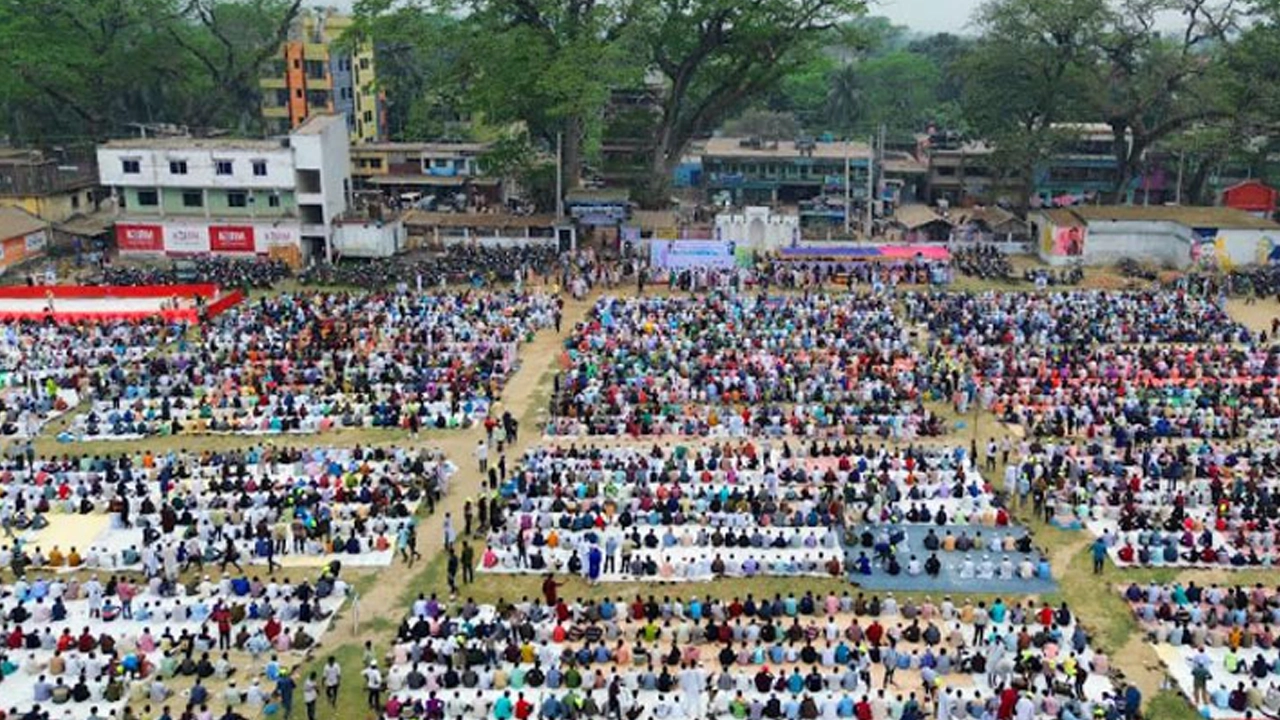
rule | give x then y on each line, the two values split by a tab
317	124
16	223
1199	217
420	147
421	218
193	143
733	147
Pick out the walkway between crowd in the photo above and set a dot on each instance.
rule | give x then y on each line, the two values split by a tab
536	359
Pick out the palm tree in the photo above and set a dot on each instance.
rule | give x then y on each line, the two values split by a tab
844	98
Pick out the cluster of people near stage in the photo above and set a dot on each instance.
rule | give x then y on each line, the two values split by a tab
1197	504
1073	317
313	361
176	511
876	276
227	273
460	264
800	655
1217	643
88	646
740	364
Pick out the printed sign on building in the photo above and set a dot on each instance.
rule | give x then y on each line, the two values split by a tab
36	241
231	238
185	240
139	238
282	236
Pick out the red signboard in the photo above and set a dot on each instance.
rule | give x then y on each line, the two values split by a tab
139	238
231	238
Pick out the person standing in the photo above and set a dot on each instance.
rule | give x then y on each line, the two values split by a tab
1099	551
468	563
284	689
453	573
482	455
373	686
332	679
309	696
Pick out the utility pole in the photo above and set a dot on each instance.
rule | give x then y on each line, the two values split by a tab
1178	192
871	174
848	193
559	176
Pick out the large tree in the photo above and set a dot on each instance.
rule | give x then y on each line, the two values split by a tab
715	56
86	69
1152	85
1028	72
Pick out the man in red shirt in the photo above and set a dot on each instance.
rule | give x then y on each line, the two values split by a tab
524	708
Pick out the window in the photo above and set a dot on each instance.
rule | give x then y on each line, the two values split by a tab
222	167
364	63
148	198
376	163
75	202
297	93
259	168
315	69
273	201
177	167
297	63
131	166
237	199
368	116
192	198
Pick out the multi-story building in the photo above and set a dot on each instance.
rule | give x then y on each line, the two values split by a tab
192	196
54	186
963	172
808	174
430	171
314	73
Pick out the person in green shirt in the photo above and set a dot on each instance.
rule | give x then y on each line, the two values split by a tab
502	708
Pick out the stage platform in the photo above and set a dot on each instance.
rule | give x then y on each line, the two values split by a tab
102	303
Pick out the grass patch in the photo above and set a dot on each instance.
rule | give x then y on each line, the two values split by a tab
1170	705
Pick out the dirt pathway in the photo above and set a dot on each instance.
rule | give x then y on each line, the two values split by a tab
525	392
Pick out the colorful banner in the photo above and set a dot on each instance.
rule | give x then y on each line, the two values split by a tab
282	236
139	238
1069	241
36	241
681	254
185	240
231	238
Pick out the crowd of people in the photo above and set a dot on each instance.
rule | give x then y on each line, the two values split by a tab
1185	505
740	364
167	513
46	368
798	655
1073	317
1125	393
312	361
460	264
83	648
1217	643
984	262
229	273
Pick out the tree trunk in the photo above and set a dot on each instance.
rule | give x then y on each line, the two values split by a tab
572	152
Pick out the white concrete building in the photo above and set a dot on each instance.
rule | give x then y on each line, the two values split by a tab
1173	237
758	228
191	196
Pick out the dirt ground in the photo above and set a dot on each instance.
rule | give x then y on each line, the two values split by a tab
385	594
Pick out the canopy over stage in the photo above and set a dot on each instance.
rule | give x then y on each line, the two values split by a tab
867	253
103	303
